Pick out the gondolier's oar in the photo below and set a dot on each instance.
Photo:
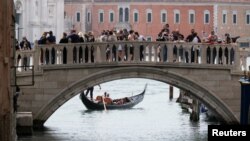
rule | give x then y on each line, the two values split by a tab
104	103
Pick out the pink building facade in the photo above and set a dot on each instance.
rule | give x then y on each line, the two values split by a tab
148	18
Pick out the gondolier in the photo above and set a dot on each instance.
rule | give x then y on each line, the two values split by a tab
90	90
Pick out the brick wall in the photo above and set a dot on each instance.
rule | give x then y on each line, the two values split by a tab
153	28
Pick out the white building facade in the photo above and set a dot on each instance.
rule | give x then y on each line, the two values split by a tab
33	17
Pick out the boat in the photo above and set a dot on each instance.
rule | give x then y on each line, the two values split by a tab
130	102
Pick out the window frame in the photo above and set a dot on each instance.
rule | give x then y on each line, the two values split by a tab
191	12
166	19
224	13
78	16
234	17
206	12
149	11
121	14
177	12
88	17
113	13
149	38
99	16
126	15
136	12
248	16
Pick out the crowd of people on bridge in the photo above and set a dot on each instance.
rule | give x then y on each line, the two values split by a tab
124	35
166	35
124	53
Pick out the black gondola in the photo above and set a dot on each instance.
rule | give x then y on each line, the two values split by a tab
131	101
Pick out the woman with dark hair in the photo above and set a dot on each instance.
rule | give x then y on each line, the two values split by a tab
64	38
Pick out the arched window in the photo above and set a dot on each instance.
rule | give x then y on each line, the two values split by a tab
234	17
18	7
136	16
177	17
126	14
206	17
191	17
88	17
248	17
101	16
111	16
163	16
224	17
78	16
120	14
149	15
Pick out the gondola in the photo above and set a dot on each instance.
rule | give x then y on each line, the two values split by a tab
130	102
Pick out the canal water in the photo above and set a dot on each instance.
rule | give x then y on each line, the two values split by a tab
156	118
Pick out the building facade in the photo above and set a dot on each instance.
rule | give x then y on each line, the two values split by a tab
75	16
34	17
148	17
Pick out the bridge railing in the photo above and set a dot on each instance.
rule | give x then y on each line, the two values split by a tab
25	60
152	52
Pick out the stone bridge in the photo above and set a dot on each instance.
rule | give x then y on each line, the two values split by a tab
208	72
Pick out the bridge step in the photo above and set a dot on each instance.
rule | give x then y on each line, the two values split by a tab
24	122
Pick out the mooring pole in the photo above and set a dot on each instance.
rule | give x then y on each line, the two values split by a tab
171	92
245	100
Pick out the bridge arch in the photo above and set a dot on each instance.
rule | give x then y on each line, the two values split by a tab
201	92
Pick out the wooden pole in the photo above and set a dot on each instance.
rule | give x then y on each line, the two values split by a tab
171	92
7	127
195	115
104	105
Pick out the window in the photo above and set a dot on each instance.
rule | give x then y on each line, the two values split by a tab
65	14
78	16
88	17
101	16
234	17
163	16
191	16
149	15
176	16
136	16
248	17
206	17
126	14
149	38
18	16
111	16
120	14
224	17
